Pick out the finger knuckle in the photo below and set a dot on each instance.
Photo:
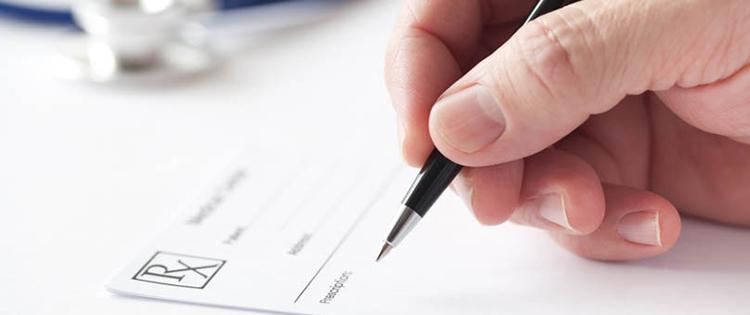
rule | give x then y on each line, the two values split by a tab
544	57
556	50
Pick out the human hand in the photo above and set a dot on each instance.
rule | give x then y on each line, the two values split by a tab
559	126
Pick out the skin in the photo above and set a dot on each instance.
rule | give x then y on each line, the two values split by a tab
619	106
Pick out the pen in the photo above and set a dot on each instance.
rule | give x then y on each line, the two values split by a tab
438	172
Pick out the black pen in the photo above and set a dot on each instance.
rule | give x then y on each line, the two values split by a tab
438	172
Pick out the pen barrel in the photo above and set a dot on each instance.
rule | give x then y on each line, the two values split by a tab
434	177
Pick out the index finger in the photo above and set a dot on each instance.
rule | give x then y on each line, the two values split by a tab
435	42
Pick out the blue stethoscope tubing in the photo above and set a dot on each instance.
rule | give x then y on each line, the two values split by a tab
62	16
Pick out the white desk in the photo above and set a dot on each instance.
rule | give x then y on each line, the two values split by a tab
90	174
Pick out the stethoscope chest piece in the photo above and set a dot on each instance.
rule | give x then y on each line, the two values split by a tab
136	40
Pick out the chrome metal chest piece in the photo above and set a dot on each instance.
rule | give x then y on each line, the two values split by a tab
137	39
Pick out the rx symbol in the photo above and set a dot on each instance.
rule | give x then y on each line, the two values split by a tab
179	270
165	272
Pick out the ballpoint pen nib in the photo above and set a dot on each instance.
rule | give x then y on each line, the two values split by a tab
386	248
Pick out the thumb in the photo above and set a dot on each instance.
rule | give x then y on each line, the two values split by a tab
580	60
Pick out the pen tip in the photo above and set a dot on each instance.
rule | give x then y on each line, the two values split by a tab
386	248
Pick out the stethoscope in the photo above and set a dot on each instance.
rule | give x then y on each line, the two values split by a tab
152	40
62	16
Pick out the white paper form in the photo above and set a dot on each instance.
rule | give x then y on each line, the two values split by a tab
299	233
274	234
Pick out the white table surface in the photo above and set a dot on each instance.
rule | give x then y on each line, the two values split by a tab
90	174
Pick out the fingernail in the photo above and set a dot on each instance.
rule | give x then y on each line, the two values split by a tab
641	228
463	189
552	208
470	119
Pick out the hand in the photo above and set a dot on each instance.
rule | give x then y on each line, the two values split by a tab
592	122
